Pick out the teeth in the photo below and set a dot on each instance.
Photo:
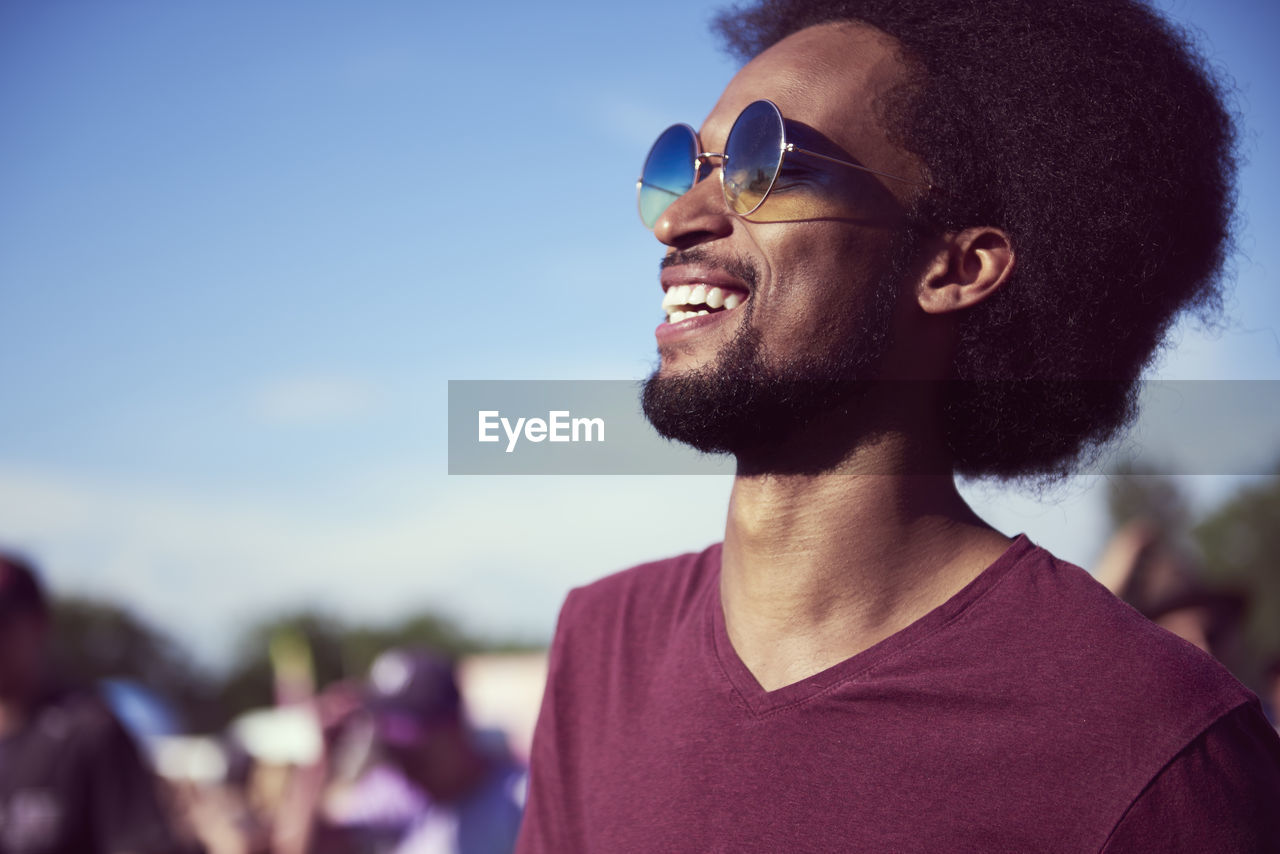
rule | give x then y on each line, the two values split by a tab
680	301
677	316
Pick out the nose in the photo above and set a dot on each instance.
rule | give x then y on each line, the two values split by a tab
697	217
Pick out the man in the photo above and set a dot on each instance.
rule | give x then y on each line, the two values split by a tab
952	218
71	779
461	798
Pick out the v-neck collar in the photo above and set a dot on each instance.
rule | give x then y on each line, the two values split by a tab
761	702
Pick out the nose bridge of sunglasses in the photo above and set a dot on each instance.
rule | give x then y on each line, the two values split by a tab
706	162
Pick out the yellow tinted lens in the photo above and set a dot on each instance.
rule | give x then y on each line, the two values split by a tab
753	155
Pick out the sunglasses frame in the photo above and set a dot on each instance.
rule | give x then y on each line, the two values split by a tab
784	148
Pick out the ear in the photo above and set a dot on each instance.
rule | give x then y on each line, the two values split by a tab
969	267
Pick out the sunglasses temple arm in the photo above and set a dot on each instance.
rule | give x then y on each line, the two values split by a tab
792	149
643	183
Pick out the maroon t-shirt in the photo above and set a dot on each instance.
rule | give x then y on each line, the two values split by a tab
1032	712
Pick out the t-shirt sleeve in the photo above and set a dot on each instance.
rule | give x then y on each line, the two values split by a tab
125	807
547	819
1221	793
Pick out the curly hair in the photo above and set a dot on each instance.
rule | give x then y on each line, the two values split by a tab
1095	135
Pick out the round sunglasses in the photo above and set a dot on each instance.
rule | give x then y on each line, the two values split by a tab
749	166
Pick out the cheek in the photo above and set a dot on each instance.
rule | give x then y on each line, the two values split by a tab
825	282
799	207
825	265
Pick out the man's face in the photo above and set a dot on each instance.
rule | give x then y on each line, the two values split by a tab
820	263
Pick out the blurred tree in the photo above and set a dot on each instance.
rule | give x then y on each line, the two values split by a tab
337	650
251	682
94	640
1240	543
1138	493
426	630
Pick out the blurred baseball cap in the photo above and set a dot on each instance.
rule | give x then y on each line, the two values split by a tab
409	692
20	591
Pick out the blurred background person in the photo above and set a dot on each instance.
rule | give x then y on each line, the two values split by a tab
1271	693
1145	566
72	781
403	771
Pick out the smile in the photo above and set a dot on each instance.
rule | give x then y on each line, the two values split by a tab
682	302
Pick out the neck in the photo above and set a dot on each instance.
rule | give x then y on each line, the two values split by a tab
817	568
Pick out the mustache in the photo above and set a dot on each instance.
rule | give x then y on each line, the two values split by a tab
739	268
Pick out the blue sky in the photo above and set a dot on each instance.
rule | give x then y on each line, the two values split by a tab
244	246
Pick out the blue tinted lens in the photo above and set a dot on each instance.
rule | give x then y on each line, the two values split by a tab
668	172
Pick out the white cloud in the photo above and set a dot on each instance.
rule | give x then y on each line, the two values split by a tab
313	399
497	553
630	122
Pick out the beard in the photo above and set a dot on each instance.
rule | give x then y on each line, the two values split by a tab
749	402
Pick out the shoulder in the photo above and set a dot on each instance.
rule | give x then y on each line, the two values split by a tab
80	715
78	728
1217	794
1097	671
624	622
643	596
1098	700
1092	639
